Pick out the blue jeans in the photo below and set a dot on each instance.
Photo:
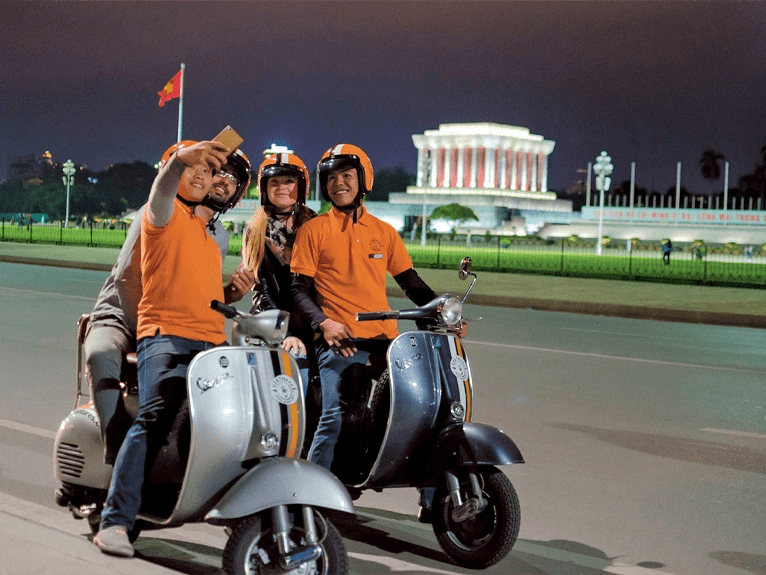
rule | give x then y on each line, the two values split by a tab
331	366
163	361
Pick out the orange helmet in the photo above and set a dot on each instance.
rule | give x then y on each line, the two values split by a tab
237	160
173	148
345	156
283	165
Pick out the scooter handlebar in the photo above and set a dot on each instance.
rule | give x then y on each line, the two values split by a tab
414	314
375	315
225	310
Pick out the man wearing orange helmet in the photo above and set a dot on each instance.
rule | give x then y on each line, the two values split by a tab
174	322
111	329
344	255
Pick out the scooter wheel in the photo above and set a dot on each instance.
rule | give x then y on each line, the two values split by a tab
487	538
252	550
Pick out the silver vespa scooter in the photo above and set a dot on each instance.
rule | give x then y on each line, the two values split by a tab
407	422
231	459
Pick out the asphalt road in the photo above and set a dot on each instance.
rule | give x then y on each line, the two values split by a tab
644	441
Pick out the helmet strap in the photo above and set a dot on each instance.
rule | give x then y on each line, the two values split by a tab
189	203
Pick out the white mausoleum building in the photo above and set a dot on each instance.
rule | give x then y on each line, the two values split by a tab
499	171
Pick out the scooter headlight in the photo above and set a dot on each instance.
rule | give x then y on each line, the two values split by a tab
451	311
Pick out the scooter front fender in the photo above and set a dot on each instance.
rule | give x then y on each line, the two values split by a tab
281	481
472	444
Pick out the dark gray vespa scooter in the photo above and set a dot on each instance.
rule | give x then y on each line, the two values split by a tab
231	459
411	425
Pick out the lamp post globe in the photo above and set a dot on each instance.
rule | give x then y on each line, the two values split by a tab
603	169
68	180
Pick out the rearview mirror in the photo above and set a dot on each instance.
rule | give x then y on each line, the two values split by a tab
465	268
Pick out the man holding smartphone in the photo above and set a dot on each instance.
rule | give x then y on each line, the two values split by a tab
175	322
111	330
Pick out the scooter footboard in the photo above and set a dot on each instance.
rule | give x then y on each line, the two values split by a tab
281	481
473	443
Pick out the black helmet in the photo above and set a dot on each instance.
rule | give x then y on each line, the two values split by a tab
237	160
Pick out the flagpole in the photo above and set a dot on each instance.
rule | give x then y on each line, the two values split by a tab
181	102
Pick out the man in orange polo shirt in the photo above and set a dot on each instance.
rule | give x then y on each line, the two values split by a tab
180	275
344	256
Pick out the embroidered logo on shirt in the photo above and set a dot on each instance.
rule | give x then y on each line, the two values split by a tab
376	245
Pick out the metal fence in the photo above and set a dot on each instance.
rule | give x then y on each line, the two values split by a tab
716	265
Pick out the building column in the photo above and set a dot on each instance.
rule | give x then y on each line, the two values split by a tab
533	169
503	168
447	180
421	166
489	168
460	166
544	173
514	169
434	168
524	166
474	166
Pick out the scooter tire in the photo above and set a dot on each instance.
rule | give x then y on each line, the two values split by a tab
486	539
243	555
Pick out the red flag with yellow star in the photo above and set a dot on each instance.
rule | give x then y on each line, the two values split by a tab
171	90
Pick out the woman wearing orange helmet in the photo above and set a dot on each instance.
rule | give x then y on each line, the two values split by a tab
283	183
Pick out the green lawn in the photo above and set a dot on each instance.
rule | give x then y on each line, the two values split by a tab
558	258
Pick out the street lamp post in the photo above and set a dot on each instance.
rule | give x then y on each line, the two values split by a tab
68	180
603	168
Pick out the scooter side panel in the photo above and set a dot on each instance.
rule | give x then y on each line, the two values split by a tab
79	452
237	396
426	369
281	481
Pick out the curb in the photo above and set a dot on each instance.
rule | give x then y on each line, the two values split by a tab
539	304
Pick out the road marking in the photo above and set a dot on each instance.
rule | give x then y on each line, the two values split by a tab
617	357
732	432
27	428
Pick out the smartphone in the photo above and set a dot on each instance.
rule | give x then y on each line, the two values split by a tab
229	138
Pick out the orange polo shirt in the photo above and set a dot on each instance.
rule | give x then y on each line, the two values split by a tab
181	274
349	263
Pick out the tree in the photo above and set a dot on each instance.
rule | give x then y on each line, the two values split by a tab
390	180
709	165
454	212
753	185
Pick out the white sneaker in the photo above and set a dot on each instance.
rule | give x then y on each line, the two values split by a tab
114	540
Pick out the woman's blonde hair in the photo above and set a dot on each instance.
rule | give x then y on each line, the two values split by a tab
254	244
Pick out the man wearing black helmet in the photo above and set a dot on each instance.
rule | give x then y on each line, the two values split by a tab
344	255
174	321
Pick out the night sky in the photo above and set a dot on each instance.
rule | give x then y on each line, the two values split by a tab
650	82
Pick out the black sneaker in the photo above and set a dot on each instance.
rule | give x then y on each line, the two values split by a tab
424	515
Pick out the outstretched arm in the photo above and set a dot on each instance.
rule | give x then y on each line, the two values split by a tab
160	205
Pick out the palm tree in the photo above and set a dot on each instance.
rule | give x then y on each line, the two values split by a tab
709	165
